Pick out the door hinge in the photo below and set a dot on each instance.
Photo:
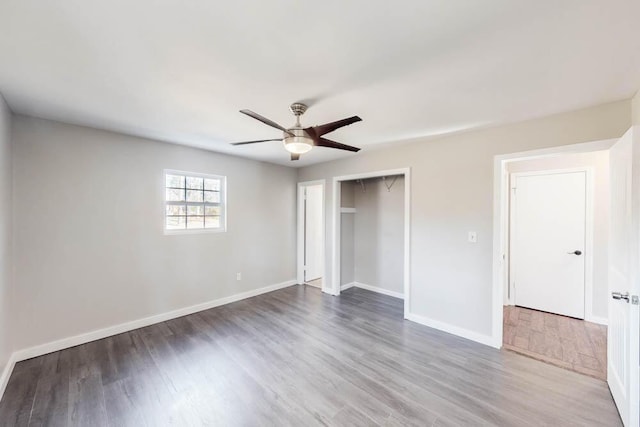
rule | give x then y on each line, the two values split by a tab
634	300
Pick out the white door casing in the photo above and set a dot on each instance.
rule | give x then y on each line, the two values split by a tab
548	241
314	229
624	261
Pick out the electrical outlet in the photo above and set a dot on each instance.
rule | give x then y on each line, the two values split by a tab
473	237
238	276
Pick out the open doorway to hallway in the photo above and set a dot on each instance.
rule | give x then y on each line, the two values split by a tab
555	301
311	233
614	304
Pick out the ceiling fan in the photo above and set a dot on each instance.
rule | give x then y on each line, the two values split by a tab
298	140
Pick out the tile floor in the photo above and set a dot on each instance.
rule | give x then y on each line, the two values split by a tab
559	340
316	283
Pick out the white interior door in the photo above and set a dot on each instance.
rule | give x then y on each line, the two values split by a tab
313	232
548	241
624	327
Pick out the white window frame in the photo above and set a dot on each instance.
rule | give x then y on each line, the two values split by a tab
222	204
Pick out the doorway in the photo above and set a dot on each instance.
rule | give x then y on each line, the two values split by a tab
554	309
621	274
311	233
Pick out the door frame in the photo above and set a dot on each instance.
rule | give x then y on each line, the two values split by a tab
300	231
334	289
588	236
501	212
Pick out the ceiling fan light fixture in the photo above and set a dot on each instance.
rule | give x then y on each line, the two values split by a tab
298	140
298	144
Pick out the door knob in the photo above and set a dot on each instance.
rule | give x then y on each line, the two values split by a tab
575	253
620	295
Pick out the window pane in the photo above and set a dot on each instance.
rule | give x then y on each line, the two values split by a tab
194	183
212	210
195	210
174	195
212	197
211	222
194	195
175	222
212	184
195	222
175	181
176	210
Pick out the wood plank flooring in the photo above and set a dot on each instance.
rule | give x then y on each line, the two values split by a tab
298	357
562	341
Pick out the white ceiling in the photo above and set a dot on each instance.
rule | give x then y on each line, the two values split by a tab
179	71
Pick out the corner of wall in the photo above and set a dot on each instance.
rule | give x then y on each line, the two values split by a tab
635	109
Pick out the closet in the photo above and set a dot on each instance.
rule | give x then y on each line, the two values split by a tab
372	234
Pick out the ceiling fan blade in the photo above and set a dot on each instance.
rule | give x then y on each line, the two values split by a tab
265	120
323	142
255	142
330	127
295	156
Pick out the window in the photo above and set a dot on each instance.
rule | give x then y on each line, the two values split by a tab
194	202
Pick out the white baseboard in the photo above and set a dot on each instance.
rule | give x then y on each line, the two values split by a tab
441	326
73	341
597	319
455	330
376	289
6	373
347	286
50	347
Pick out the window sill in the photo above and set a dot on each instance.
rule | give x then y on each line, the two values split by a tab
194	231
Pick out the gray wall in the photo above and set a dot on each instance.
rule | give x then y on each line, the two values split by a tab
379	234
599	162
452	193
7	322
347	230
89	245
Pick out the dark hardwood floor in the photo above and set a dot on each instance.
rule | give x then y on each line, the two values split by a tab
298	357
